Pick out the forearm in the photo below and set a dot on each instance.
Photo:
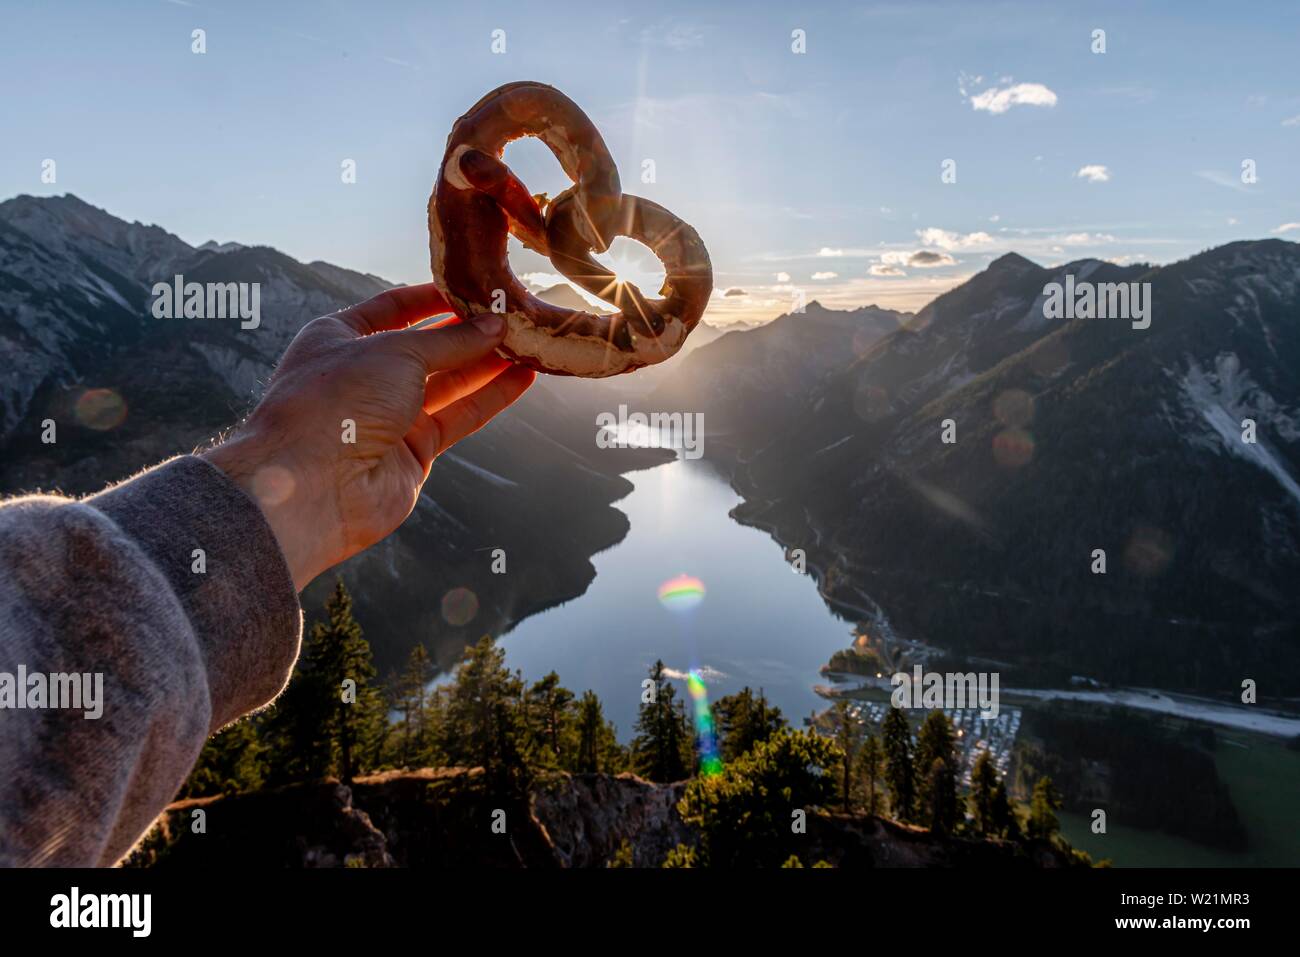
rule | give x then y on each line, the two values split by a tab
170	586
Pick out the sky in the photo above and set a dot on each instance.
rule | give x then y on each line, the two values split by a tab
816	175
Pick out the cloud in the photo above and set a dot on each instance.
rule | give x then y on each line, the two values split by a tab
884	269
1094	173
826	251
783	277
920	258
1222	179
946	239
707	673
679	36
735	291
1292	121
999	100
1083	239
825	275
1287	227
925	259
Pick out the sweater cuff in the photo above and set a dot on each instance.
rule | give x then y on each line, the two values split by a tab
237	591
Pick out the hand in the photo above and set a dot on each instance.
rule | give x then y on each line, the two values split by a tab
329	490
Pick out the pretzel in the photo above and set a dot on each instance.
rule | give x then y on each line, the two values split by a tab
477	202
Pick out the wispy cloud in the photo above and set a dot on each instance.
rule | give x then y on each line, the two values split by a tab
1219	178
1083	239
1000	99
1292	121
674	36
947	239
819	276
1094	173
884	269
1287	227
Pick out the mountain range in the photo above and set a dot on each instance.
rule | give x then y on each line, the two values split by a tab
1068	436
1066	439
78	345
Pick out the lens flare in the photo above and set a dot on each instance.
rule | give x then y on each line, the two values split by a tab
100	409
681	593
459	607
705	735
1013	448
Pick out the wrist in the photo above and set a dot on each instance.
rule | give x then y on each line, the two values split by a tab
267	478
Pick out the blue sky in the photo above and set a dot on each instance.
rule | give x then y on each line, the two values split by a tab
792	166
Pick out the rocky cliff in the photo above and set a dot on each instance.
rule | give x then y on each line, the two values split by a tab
444	818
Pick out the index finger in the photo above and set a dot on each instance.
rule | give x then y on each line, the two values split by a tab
394	309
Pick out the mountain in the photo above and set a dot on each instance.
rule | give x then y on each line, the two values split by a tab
566	297
79	345
1071	435
748	380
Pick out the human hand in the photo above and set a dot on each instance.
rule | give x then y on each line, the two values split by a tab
330	490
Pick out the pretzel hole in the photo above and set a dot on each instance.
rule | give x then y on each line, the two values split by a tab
634	262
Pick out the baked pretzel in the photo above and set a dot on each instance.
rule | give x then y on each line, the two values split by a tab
477	202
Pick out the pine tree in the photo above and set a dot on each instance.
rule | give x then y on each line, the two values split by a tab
898	764
848	734
339	658
1005	821
1042	809
663	749
411	700
983	784
597	748
743	720
941	792
936	741
548	715
481	723
871	762
295	731
744	814
230	763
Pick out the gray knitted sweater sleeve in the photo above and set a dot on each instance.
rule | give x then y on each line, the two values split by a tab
133	624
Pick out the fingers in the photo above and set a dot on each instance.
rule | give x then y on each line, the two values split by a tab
449	346
395	309
434	434
444	388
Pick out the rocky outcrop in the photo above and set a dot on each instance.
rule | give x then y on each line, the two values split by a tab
453	818
587	817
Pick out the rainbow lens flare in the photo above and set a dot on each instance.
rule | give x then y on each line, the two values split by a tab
681	593
705	735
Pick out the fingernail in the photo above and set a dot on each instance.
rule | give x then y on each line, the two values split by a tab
489	323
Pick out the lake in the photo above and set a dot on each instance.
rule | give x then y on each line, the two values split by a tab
757	623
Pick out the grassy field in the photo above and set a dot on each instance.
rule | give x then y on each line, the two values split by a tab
1264	778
